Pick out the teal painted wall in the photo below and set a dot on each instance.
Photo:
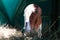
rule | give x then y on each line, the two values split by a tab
11	7
2	18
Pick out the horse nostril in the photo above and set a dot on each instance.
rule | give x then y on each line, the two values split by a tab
26	24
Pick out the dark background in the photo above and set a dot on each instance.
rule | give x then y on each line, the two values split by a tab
11	12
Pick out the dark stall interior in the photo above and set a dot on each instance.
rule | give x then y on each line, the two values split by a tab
11	12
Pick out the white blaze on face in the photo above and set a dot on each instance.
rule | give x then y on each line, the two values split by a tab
28	11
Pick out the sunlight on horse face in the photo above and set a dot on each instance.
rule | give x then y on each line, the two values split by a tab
32	18
28	11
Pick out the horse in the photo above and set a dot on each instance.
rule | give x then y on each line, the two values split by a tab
32	18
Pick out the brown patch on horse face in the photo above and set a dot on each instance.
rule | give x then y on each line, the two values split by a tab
38	10
35	18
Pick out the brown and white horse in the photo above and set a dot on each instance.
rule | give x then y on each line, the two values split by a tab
33	20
